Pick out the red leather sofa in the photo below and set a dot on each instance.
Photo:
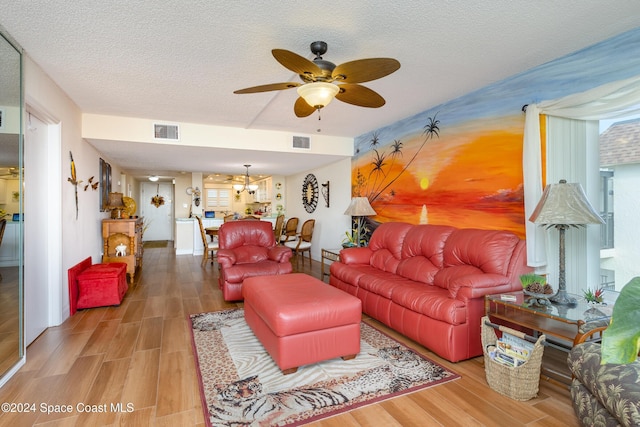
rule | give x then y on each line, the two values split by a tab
428	282
248	249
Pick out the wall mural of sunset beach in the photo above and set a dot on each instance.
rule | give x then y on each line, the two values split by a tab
459	175
460	163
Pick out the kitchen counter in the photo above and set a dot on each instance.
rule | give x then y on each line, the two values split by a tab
188	239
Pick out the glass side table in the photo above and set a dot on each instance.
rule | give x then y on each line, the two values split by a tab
329	254
559	321
561	324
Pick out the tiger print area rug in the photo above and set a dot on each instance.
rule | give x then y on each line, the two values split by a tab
241	385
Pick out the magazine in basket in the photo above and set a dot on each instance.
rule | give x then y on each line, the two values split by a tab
510	350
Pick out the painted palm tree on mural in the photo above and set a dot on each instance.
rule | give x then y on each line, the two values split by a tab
381	177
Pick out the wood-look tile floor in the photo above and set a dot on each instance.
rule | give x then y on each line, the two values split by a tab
133	365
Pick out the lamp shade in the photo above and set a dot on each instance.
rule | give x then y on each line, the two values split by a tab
360	206
564	204
318	94
115	201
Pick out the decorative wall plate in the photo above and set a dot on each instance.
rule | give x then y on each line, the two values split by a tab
129	206
310	193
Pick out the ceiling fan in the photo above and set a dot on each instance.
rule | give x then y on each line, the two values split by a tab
323	80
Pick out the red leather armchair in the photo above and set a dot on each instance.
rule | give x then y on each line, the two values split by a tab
247	249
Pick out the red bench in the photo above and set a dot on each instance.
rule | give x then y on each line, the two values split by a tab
96	285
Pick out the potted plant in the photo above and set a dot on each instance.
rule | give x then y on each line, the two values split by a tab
350	240
593	297
621	340
356	236
535	284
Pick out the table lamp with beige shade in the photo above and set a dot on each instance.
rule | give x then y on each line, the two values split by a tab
564	205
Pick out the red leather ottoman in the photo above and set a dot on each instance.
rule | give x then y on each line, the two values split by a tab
300	320
96	285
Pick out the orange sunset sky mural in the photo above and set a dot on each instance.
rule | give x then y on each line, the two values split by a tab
462	175
460	163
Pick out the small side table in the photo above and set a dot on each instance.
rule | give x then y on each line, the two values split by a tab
331	255
564	323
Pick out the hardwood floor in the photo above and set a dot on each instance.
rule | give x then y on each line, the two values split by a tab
139	355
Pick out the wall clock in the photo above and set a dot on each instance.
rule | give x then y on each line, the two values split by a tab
310	193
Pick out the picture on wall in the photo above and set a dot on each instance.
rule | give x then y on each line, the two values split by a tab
105	184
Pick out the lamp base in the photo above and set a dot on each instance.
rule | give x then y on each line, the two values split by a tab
562	298
116	213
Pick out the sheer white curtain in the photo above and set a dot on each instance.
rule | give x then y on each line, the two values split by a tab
613	100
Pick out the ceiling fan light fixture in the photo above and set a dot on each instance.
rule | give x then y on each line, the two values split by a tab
318	94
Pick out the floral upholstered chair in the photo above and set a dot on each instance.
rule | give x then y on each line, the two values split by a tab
603	395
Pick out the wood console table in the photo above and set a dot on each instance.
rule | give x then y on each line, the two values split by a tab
127	232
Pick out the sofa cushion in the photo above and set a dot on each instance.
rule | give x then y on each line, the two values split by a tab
238	272
428	241
250	254
350	273
431	301
382	283
446	277
488	250
386	245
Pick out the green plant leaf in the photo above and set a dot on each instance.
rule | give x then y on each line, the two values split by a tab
621	340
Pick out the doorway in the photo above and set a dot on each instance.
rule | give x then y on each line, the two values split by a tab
158	220
42	234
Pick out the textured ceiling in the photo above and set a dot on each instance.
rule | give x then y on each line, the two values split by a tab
181	61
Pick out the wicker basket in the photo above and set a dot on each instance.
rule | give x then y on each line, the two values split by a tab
519	383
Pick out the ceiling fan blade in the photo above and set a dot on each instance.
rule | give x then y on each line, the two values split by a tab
359	95
296	63
267	88
302	109
364	70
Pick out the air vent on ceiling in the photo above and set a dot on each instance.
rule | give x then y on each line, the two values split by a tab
166	132
301	142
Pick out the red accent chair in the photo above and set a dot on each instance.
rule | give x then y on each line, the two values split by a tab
96	285
248	249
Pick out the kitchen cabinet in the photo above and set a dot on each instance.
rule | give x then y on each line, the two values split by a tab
263	193
127	232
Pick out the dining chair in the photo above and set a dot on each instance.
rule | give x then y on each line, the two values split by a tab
278	227
228	218
290	230
209	247
302	243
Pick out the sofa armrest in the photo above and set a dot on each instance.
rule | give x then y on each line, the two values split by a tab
226	257
360	255
280	254
478	285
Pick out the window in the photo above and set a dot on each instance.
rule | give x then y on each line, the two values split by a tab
217	199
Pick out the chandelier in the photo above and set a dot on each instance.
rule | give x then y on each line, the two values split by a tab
249	188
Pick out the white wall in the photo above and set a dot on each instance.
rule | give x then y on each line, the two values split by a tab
114	128
331	223
80	238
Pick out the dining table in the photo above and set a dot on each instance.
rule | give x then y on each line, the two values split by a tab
212	231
